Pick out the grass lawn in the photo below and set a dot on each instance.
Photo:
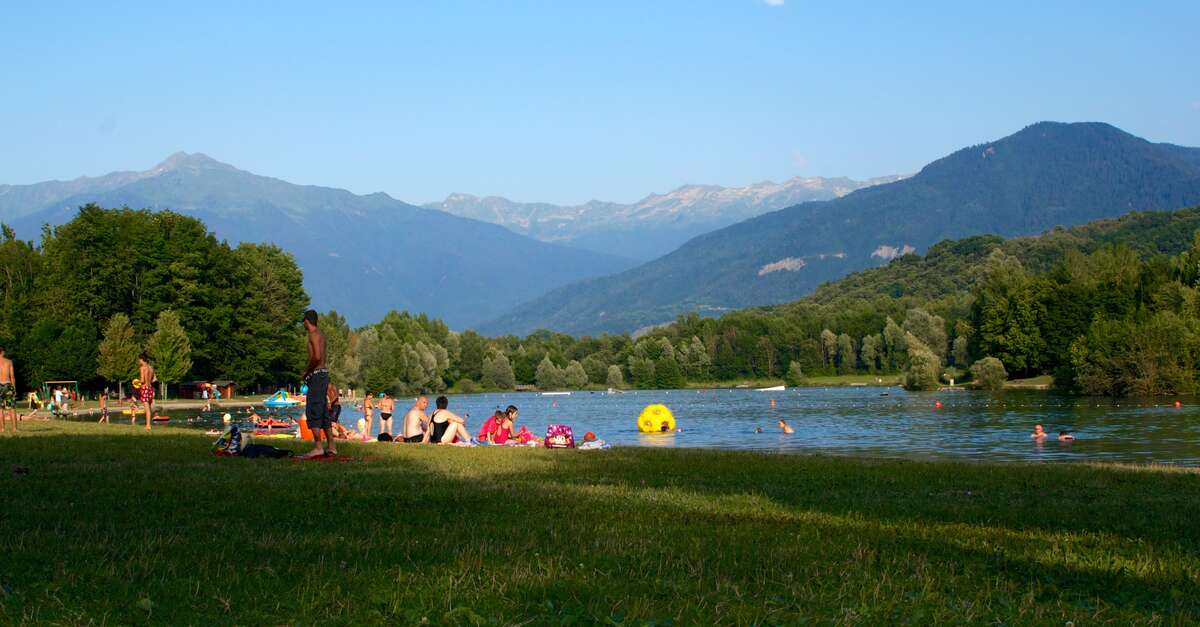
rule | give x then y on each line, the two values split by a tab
852	379
1043	382
113	525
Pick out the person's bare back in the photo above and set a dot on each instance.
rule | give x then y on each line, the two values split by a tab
6	370
316	375
415	420
8	391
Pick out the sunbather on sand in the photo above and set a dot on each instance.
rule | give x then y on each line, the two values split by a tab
450	426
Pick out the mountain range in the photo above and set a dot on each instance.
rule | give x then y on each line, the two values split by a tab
656	224
1045	175
362	255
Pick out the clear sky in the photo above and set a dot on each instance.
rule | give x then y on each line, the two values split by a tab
572	100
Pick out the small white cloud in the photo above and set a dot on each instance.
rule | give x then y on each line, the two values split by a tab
774	3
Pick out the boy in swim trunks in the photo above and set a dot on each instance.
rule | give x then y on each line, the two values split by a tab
146	392
8	391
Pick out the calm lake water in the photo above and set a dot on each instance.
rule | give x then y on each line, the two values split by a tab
859	420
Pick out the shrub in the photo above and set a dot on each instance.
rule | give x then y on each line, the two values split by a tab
989	373
923	370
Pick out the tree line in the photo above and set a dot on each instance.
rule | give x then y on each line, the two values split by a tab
1115	319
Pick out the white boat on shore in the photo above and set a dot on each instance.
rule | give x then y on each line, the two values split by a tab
778	388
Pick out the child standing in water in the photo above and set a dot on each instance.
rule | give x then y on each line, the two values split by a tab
1038	434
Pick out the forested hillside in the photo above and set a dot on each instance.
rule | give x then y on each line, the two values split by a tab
1111	307
1046	175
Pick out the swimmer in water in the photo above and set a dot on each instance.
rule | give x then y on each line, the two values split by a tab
1065	436
785	427
1038	433
758	429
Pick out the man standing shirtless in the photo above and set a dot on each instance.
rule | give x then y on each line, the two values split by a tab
316	375
8	391
146	392
415	421
387	405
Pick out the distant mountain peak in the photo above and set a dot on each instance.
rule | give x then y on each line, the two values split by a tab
194	161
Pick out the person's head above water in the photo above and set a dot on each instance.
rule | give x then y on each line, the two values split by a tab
310	319
442	402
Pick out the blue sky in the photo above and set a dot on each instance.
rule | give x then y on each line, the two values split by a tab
569	101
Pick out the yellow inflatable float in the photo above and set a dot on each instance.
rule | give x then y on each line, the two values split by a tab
656	419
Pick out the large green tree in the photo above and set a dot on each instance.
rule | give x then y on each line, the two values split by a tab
170	350
118	353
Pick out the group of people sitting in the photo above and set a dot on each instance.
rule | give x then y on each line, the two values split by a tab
443	426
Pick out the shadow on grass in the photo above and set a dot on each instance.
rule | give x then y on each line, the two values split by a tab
107	520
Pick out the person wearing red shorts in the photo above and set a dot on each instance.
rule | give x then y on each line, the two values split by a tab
146	392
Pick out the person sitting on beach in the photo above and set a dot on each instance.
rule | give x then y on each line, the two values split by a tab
1038	433
415	421
506	429
450	426
342	433
1065	436
334	399
785	427
488	431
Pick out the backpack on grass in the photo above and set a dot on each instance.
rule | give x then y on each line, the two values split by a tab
559	436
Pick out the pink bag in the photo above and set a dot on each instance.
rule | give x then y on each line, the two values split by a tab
559	436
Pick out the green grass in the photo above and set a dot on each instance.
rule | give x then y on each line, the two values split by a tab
852	379
1034	383
113	525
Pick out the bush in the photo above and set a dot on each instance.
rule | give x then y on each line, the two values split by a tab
923	370
467	386
989	373
795	376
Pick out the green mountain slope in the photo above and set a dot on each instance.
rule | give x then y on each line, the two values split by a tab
954	265
1046	175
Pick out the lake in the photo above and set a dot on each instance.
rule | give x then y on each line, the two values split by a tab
872	421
